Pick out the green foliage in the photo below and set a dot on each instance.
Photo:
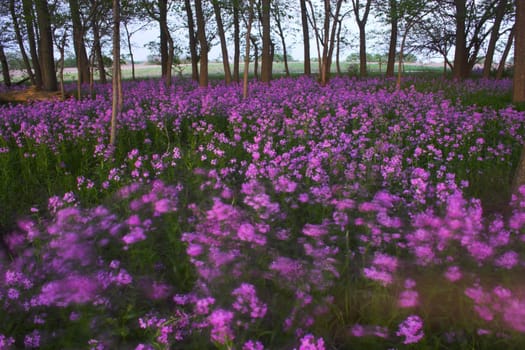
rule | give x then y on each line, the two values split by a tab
278	57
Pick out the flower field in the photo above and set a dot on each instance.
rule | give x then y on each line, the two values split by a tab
350	216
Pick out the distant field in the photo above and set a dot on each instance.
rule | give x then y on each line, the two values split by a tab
216	70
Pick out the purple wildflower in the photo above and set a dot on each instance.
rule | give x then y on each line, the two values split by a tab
308	342
412	329
220	320
253	345
32	340
408	298
453	274
247	302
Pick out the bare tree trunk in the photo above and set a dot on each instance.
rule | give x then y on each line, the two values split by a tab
97	47
163	22
169	58
236	42
266	66
92	76
62	48
201	34
130	49
326	32
285	59
20	41
400	64
330	27
460	55
393	39
338	48
363	72
272	51
361	23
247	52
29	18
313	22
117	94
192	41
494	35
47	60
78	40
119	84
518	94
503	60
306	38
224	48
256	58
277	17
5	67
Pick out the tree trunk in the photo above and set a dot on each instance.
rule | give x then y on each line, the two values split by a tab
47	60
272	51
29	19
236	42
169	59
338	48
256	58
266	66
5	67
460	70
78	40
20	42
313	22
97	47
283	41
518	94
503	60
306	38
494	35
362	52
325	69
192	42
222	37
117	94
393	39
361	23
62	48
400	65
163	22
92	76
247	52
330	27
130	49
201	34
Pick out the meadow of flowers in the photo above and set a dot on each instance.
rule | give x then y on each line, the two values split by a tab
349	216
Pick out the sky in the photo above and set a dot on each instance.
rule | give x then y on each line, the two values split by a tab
152	34
293	42
376	43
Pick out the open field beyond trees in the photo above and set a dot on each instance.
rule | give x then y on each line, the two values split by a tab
216	70
351	216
